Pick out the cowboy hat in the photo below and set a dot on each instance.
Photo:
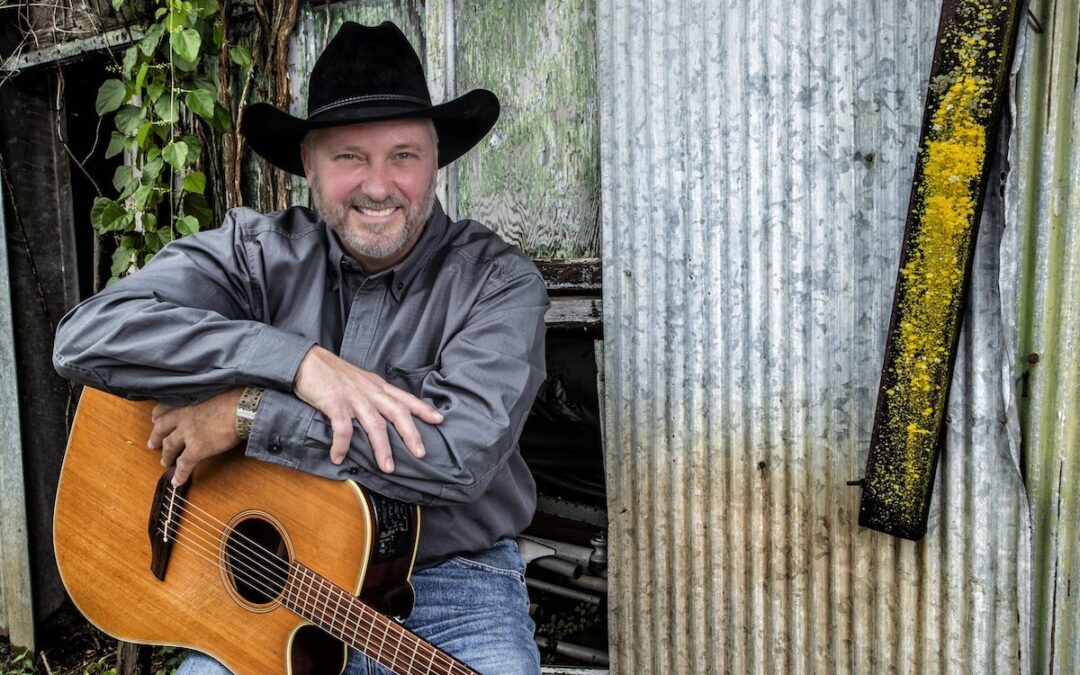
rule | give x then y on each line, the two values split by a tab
367	74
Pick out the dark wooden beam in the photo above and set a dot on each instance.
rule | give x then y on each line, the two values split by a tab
968	81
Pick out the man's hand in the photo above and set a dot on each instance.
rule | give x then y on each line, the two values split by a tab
343	392
189	434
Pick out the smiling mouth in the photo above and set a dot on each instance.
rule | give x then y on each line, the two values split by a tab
375	213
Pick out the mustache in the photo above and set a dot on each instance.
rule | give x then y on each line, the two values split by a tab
359	200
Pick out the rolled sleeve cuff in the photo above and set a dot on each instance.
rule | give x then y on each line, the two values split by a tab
274	359
280	431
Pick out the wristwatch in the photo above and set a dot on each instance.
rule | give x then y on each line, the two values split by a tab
245	411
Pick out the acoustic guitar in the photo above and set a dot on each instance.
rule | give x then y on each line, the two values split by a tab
265	568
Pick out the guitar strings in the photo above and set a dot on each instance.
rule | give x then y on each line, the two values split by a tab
258	575
382	647
252	563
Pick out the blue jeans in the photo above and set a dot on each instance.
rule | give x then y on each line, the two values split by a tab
474	607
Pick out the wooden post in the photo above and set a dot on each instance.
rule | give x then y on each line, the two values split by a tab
963	109
132	659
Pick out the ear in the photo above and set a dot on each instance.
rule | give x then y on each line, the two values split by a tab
306	160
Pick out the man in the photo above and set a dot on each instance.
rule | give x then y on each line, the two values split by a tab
373	340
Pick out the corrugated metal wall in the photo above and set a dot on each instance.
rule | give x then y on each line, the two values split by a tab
756	162
1043	280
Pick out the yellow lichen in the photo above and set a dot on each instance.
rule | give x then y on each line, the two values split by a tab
931	280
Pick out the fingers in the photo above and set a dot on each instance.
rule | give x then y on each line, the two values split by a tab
415	406
185	465
164	424
342	428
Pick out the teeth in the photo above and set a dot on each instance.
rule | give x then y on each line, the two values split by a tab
377	213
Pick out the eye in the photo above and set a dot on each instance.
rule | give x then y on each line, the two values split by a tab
406	155
346	157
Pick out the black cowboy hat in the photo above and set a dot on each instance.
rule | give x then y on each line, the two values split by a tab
368	74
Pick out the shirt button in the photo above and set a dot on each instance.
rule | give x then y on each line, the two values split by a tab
400	286
354	470
275	448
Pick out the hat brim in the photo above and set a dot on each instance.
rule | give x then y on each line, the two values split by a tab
461	123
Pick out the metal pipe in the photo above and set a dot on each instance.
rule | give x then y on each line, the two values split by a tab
562	591
574	651
590	583
564	550
566	568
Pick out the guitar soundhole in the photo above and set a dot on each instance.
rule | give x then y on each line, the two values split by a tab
258	560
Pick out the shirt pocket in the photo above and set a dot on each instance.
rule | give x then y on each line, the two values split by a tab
407	378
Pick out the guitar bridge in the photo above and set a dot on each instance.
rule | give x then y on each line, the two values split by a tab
165	514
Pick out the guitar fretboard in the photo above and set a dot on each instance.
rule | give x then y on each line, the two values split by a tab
341	614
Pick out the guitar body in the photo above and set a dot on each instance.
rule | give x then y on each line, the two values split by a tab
103	546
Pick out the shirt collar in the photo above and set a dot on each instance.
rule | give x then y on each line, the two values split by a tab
402	274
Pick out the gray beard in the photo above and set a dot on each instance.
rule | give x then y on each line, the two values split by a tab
378	246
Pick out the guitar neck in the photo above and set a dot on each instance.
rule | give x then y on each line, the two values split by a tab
347	618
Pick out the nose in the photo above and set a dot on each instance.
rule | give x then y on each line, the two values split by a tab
376	184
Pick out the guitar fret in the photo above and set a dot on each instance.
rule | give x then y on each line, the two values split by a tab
337	608
412	659
400	635
337	611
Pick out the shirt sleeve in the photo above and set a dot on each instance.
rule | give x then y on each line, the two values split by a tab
179	330
485	383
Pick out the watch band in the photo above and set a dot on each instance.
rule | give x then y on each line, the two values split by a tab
246	409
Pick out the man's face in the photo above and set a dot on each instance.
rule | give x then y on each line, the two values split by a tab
374	184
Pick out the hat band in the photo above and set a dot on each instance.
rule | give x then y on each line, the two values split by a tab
378	98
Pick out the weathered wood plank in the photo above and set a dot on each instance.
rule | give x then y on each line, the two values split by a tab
535	178
582	275
968	84
65	52
573	311
16	610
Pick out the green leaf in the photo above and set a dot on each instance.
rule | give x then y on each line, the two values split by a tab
117	4
240	55
121	177
176	21
152	169
187	225
132	240
219	35
196	205
154	91
150	41
142	133
117	143
140	78
167	109
104	213
194	182
110	96
207	8
201	102
184	65
142	196
222	119
176	154
131	57
160	12
129	118
121	261
186	44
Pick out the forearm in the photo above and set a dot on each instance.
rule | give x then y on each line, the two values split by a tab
186	326
141	347
462	454
484	386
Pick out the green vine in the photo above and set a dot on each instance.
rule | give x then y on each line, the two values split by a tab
166	87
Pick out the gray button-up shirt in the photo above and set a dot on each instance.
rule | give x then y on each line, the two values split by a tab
459	323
